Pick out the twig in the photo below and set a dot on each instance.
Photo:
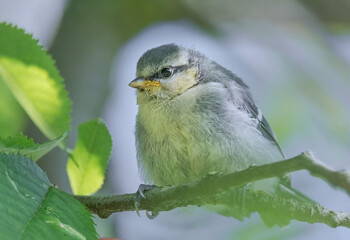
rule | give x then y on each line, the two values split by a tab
206	192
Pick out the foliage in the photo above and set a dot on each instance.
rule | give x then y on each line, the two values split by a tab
87	164
12	118
32	77
27	147
31	207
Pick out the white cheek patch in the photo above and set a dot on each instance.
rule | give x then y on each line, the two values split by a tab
180	82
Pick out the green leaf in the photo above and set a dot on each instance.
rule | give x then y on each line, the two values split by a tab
32	77
87	164
31	208
24	146
13	118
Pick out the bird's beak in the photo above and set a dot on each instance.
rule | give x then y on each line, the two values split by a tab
137	83
141	83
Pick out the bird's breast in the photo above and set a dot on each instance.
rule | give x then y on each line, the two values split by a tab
184	139
164	136
178	144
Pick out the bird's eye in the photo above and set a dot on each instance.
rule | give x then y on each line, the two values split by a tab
166	72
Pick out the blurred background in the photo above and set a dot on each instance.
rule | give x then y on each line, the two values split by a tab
294	55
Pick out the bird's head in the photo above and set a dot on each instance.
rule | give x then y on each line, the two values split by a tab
166	72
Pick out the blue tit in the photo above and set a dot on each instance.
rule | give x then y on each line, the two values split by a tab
195	117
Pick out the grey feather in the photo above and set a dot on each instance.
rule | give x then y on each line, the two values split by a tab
245	103
151	60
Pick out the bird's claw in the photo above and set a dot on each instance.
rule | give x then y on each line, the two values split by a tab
141	194
152	215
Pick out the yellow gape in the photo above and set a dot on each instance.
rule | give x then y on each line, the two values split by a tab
151	84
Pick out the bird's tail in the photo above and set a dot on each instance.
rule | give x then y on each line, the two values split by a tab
296	199
241	202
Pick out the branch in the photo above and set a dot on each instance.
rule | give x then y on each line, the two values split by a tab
207	191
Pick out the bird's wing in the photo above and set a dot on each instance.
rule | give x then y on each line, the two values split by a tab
263	126
246	103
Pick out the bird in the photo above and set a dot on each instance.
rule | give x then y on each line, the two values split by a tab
194	118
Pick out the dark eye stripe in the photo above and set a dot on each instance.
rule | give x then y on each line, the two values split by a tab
152	77
175	70
180	68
